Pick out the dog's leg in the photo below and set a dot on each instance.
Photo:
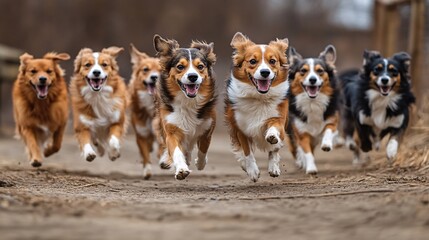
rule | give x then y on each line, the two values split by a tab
144	145
30	139
306	153
328	138
393	145
174	138
56	143
248	161
274	131
273	163
83	136
115	134
203	146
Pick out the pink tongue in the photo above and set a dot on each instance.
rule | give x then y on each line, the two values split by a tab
191	89
151	89
312	91
42	90
95	84
385	89
263	85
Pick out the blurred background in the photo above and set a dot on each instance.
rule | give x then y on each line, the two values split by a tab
67	26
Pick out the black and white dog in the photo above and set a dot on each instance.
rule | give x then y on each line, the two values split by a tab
375	103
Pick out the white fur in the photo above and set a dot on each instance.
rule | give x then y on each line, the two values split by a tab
328	139
145	130
147	170
179	161
312	74
146	101
248	163
264	66
385	75
273	164
252	109
313	108
191	69
272	131
88	150
310	166
378	105
392	149
114	143
97	67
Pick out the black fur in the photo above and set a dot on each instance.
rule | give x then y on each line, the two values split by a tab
355	84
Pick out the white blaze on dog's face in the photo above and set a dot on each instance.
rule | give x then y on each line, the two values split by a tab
311	73
96	67
258	64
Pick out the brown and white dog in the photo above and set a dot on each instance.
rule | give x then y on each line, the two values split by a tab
313	105
186	103
256	101
146	72
99	100
40	105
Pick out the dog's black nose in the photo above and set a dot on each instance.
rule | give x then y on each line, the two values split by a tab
193	77
96	73
312	80
42	80
265	73
154	78
384	81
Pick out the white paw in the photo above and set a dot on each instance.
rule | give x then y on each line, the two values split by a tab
272	136
253	171
310	166
326	146
88	153
114	148
328	139
300	158
273	164
182	169
147	171
164	161
201	161
392	149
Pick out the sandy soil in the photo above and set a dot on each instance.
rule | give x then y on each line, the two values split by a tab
69	198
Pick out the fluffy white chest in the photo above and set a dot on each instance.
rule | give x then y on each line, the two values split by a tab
185	117
314	110
146	101
106	108
378	105
252	109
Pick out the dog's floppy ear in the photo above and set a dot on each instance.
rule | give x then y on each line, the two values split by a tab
78	60
282	45
206	50
136	55
56	56
404	59
164	47
239	43
24	58
369	56
294	56
329	55
112	51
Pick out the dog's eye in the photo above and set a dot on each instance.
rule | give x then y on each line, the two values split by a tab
180	67
33	71
273	61
49	71
394	72
200	67
146	69
378	69
104	65
253	61
320	71
88	65
303	71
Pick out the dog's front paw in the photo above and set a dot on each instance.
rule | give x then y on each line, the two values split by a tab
165	162
114	148
36	163
391	150
88	153
327	147
274	170
272	136
182	173
147	171
253	172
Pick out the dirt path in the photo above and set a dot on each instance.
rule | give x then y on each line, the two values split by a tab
72	199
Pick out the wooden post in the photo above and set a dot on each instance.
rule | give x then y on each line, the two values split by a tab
416	47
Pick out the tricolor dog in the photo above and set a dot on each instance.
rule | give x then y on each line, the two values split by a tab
185	103
256	103
376	104
313	106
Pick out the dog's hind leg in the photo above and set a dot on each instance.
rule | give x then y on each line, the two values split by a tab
145	145
203	146
56	143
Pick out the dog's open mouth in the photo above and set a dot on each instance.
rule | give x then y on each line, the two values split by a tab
96	83
311	90
385	90
150	87
262	85
190	90
41	90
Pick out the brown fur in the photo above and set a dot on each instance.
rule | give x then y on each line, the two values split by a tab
81	107
33	114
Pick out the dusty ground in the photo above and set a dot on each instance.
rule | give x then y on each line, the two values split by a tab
69	198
